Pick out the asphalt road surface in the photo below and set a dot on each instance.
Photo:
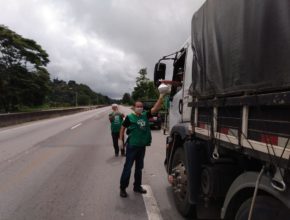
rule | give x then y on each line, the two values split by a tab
65	169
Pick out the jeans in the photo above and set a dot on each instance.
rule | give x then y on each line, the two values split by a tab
133	154
115	137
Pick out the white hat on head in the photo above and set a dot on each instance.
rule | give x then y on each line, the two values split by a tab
114	105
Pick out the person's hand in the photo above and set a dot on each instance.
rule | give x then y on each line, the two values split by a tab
120	143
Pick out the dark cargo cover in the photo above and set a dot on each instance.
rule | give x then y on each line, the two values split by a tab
241	46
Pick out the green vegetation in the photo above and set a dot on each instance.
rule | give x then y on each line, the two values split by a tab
144	91
73	94
25	82
127	100
145	88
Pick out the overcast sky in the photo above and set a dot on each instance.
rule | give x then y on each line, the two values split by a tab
102	43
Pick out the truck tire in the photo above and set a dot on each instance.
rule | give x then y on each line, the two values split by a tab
180	185
266	208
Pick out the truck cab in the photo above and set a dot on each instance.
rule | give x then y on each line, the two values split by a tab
179	97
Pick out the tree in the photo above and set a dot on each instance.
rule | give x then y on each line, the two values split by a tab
127	99
18	51
145	88
23	77
65	94
24	80
39	87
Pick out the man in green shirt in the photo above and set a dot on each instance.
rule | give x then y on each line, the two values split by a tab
139	136
116	119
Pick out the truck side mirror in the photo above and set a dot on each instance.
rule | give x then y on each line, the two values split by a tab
159	73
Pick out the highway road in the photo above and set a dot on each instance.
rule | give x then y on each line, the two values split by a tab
65	169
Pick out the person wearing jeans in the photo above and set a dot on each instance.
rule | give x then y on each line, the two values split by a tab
133	154
139	136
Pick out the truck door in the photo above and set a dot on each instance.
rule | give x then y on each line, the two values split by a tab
177	90
187	98
174	110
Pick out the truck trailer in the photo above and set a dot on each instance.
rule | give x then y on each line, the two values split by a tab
228	147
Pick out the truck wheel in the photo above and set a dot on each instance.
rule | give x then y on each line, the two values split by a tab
180	184
266	208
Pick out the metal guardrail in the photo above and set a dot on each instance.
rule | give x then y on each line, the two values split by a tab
18	118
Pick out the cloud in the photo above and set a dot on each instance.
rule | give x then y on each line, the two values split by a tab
102	43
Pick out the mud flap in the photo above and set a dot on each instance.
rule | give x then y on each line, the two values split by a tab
193	165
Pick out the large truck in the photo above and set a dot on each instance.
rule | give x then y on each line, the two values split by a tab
228	147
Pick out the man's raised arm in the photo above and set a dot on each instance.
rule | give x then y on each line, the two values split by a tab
157	106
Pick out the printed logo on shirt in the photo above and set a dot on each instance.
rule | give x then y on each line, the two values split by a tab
141	123
117	119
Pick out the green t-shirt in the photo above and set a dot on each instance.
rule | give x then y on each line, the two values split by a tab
139	130
116	119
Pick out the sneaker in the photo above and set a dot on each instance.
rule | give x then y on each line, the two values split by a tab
140	190
123	193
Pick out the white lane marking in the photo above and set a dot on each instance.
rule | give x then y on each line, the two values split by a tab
152	209
76	126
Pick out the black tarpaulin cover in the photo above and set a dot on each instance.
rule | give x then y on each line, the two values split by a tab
241	46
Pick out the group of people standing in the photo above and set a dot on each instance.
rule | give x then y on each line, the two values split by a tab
136	125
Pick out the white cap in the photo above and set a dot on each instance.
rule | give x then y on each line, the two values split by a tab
114	105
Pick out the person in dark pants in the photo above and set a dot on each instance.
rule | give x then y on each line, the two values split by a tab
116	119
139	136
